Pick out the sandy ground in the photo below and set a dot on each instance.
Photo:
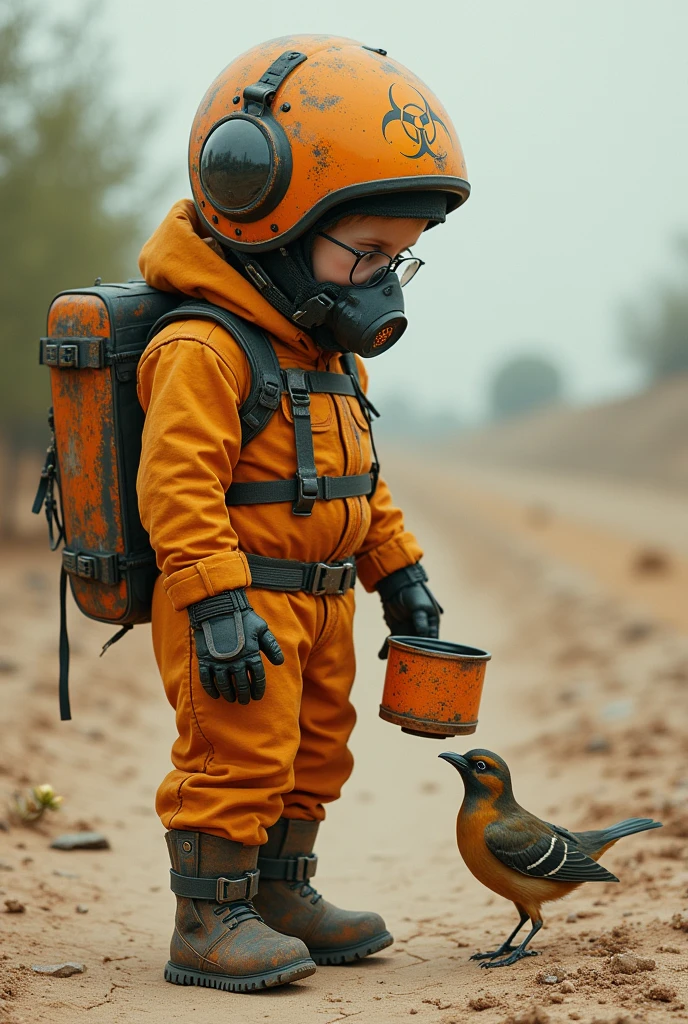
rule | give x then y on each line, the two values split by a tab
585	698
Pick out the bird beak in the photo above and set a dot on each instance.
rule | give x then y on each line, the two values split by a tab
458	760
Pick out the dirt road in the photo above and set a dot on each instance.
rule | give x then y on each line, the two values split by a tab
585	697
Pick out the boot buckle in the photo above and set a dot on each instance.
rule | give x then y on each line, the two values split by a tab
303	867
229	889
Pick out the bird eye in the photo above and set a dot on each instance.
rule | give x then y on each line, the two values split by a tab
481	766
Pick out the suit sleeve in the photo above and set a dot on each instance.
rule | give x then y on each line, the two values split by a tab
388	545
191	443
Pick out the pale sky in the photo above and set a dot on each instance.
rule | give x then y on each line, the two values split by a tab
572	117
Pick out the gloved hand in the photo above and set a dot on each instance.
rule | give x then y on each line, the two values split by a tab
409	607
229	637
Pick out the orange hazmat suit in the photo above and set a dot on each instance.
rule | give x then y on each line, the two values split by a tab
238	768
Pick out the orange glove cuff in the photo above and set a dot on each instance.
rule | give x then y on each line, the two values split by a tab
207	578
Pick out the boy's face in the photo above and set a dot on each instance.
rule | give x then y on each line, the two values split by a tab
389	235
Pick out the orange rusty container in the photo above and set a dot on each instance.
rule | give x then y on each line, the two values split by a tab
433	688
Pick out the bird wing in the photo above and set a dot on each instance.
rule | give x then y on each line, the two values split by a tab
545	853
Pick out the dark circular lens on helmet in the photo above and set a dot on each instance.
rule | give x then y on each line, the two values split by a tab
236	164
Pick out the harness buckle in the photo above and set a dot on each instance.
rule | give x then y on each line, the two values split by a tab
298	393
270	393
332	579
307	494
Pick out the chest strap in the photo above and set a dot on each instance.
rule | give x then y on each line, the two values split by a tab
265	492
306	487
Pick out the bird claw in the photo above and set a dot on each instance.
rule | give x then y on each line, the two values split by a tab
493	953
518	954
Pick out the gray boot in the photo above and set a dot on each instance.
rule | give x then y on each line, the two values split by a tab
289	904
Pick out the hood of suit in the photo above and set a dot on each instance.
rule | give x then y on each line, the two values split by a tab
179	258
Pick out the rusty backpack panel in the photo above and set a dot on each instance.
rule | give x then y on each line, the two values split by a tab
94	342
95	339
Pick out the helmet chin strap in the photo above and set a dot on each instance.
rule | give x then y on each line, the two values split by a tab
301	298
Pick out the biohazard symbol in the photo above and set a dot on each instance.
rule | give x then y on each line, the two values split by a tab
419	122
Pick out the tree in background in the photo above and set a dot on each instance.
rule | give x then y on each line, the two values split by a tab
658	340
524	384
70	208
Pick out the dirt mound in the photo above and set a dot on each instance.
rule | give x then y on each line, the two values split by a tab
643	438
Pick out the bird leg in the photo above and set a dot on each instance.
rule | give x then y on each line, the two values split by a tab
520	951
506	946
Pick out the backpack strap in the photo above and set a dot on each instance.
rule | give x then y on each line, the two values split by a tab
266	376
348	361
268	382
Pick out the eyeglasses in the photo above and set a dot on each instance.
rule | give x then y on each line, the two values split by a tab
372	266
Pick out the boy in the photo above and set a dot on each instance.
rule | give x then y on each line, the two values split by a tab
316	164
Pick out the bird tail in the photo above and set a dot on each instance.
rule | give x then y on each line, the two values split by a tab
627	827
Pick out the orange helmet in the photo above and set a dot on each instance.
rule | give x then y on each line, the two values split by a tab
298	125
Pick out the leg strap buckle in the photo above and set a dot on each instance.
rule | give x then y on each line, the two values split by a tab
289	869
219	890
229	889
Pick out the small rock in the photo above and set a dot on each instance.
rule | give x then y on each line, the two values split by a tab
65	970
568	987
7	667
617	709
628	963
81	841
486	1002
533	1015
571	918
598	745
66	874
4	825
14	907
651	562
636	631
661	993
4	866
35	580
81	908
552	976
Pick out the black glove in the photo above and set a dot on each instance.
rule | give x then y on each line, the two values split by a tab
409	607
229	637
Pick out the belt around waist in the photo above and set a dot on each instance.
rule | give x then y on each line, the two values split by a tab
313	577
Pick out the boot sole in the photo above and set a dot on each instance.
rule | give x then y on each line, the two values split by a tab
251	983
348	954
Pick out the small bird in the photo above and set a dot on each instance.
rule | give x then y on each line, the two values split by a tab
520	857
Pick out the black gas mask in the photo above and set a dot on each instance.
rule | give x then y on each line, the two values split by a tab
366	320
